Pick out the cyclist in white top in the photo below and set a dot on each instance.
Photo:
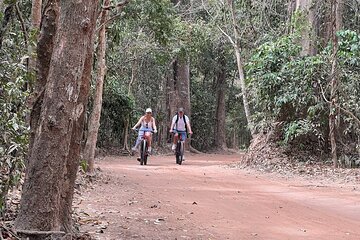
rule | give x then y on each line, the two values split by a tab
180	124
148	125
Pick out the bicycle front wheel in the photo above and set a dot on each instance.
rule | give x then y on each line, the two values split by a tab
180	153
143	152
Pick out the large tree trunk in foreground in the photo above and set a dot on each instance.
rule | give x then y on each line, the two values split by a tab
336	13
44	52
51	170
94	124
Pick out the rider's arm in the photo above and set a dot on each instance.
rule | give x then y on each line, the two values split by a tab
138	123
188	125
155	128
172	124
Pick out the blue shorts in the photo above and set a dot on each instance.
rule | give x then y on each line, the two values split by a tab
142	131
183	134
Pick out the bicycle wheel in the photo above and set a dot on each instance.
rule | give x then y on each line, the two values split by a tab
143	154
177	152
181	152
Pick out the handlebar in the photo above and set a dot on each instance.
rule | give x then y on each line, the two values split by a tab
137	130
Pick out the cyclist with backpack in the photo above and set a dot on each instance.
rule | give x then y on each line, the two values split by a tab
180	124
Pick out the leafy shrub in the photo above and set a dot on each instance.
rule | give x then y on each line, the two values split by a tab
13	128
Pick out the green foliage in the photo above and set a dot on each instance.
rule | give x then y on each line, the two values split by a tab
14	90
13	128
292	89
116	106
297	128
203	112
349	63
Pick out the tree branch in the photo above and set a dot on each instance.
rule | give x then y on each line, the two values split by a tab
347	112
21	19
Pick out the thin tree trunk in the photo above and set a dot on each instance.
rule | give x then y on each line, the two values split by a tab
220	114
34	30
127	121
240	66
41	207
290	12
94	124
336	13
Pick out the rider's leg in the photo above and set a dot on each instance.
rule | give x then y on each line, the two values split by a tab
176	135
138	140
183	137
149	140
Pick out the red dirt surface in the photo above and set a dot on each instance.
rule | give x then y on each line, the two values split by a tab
205	199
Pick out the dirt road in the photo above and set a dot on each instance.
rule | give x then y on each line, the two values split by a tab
204	199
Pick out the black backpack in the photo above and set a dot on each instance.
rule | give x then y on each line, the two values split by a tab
177	119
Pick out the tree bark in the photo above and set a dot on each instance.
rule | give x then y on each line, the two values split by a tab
49	178
183	85
336	13
44	52
72	164
94	124
220	114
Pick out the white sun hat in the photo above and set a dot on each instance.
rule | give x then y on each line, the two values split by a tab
148	110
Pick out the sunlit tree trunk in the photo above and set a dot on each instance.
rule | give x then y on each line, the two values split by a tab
44	50
94	123
240	65
51	170
336	13
307	9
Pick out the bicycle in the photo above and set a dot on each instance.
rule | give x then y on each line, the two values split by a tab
180	148
144	145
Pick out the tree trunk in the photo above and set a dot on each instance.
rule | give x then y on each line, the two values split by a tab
240	66
308	32
94	124
336	13
44	52
290	12
127	121
183	86
220	114
76	144
49	179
